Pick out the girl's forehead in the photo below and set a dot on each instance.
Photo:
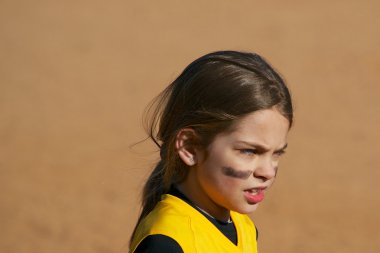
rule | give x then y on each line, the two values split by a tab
265	126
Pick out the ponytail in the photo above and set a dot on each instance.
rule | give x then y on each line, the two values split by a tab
153	189
168	170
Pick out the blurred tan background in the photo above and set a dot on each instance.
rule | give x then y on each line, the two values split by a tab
75	77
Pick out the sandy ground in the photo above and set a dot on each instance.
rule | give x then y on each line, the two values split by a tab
75	77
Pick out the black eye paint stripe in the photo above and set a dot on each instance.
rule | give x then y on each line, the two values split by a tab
241	174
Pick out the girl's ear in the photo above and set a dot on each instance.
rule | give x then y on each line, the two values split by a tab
185	145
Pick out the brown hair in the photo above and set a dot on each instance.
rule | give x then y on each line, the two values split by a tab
208	96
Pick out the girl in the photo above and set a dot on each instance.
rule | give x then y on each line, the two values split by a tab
221	127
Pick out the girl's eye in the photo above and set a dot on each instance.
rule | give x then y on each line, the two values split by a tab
248	152
279	153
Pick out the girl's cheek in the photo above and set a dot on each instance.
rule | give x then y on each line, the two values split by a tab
232	172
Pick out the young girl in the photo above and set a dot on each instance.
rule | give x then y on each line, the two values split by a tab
221	127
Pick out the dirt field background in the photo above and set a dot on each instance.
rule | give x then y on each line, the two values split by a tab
75	77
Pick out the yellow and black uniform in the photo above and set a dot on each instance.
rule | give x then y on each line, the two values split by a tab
178	221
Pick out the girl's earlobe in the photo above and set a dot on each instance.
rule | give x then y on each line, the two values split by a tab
185	146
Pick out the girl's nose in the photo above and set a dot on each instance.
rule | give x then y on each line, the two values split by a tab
266	169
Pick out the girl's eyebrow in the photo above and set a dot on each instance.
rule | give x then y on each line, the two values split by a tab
262	147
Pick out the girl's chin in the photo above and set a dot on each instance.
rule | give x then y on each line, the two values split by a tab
248	209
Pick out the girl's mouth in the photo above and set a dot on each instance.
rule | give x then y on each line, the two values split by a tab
254	195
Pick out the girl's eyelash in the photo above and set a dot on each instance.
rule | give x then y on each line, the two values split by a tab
280	153
247	151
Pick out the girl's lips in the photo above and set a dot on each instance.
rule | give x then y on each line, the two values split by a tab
254	196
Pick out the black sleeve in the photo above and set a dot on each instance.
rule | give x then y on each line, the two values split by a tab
158	244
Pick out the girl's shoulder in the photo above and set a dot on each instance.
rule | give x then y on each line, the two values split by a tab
158	244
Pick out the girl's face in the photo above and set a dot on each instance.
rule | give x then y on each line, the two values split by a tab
237	168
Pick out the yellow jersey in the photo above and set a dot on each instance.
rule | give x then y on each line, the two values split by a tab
178	220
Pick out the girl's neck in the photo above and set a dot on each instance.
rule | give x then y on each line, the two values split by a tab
204	204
